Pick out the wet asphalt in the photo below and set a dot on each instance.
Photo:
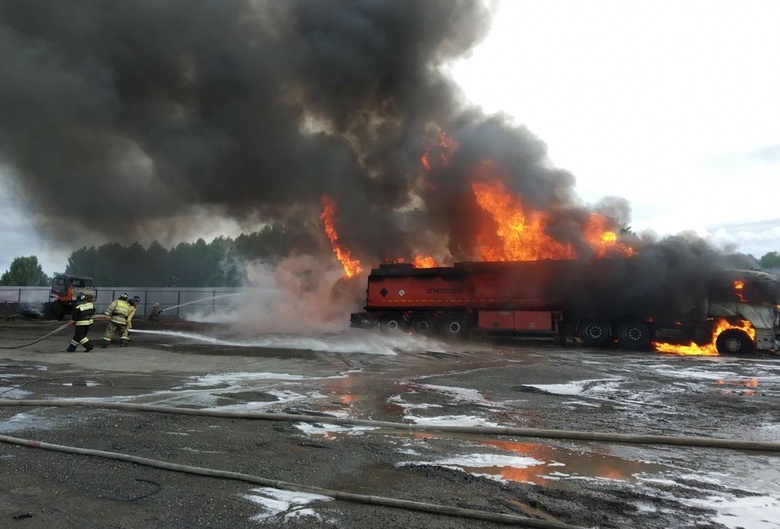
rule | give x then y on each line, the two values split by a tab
397	379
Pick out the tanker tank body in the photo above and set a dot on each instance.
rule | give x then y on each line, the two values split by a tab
505	297
548	298
597	302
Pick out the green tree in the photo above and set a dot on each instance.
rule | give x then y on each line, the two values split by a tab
25	272
770	260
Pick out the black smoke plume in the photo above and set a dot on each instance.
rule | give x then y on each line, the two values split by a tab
141	120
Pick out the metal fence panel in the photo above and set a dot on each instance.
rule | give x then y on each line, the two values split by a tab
174	301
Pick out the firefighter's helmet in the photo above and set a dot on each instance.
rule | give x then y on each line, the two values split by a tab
123	297
136	300
81	296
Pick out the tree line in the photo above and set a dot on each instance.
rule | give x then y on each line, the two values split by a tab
218	263
198	264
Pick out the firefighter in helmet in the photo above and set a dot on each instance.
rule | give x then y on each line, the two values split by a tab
83	310
154	315
125	338
117	313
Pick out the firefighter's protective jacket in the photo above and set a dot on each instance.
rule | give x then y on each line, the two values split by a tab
118	311
130	315
83	312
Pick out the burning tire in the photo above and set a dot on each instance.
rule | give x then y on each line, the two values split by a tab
634	334
594	332
454	325
392	322
734	341
421	324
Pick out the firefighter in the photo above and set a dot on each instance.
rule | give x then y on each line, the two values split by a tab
155	314
117	313
83	310
125	338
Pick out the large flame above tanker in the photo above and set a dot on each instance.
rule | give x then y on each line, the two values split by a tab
519	234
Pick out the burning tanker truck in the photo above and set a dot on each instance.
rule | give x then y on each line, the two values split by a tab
597	302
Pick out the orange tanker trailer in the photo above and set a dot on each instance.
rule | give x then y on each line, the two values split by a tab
599	302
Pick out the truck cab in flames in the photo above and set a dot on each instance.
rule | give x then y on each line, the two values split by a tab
600	302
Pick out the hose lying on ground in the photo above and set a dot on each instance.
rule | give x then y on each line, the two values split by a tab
707	442
58	329
521	521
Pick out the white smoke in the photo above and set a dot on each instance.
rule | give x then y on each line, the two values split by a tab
301	294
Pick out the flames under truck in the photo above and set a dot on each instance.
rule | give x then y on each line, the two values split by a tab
601	302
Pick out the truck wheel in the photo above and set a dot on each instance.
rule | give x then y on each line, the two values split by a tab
422	324
454	325
392	322
734	341
594	332
54	310
634	334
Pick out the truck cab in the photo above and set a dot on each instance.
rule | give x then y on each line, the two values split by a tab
64	289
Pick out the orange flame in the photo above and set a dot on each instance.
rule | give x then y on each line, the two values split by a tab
709	349
427	261
447	147
351	266
522	236
738	288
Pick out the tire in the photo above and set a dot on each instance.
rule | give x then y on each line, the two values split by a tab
422	324
454	325
392	322
594	333
634	334
54	310
734	342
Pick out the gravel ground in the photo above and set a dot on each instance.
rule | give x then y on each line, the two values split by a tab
531	385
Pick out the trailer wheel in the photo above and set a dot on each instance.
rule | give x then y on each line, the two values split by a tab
392	322
734	341
422	324
594	332
634	334
454	325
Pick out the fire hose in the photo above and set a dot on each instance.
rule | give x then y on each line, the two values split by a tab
432	508
58	329
705	442
55	331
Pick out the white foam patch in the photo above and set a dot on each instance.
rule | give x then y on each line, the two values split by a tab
451	420
579	387
13	393
462	394
235	379
580	403
755	512
708	375
399	401
25	421
471	463
287	505
326	429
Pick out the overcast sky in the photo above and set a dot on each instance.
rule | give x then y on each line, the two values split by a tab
671	105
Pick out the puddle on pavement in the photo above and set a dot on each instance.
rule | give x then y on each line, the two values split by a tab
539	464
552	464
